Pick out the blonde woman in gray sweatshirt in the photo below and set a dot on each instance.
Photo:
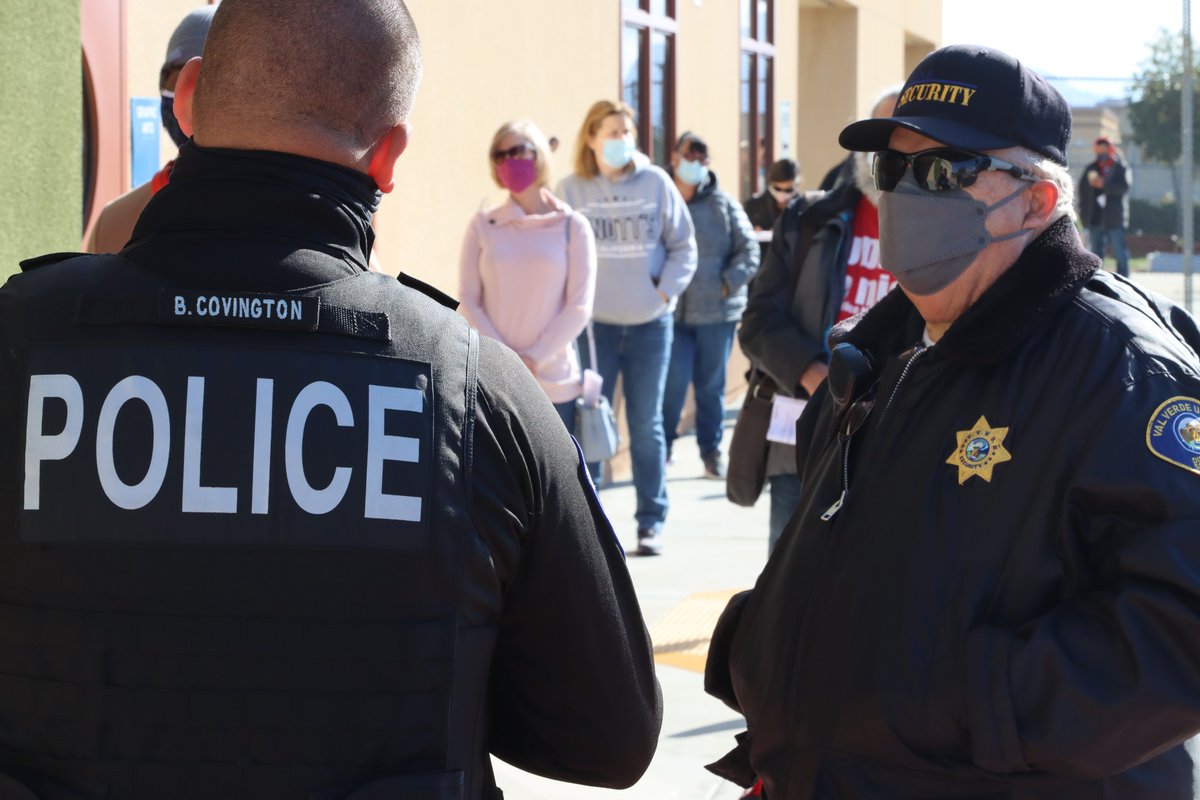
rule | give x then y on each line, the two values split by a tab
646	256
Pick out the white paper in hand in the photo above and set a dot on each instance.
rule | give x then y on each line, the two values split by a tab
784	413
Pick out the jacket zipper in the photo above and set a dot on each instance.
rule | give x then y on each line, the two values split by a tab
832	511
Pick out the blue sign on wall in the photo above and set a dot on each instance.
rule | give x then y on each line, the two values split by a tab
144	125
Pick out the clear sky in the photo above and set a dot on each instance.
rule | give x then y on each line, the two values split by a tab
1103	38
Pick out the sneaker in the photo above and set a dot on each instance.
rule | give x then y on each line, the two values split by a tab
714	466
649	542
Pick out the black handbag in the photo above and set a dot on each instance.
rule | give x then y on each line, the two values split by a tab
746	473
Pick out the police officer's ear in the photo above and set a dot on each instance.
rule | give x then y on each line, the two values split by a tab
185	93
1043	197
382	164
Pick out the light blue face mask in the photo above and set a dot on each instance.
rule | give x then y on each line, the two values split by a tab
692	173
618	152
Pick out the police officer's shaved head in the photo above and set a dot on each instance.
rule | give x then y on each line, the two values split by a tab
342	70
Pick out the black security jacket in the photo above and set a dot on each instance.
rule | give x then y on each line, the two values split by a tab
1031	633
206	595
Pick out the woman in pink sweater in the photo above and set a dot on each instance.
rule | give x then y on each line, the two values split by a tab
528	269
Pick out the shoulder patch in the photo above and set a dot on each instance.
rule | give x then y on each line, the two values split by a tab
50	258
1174	433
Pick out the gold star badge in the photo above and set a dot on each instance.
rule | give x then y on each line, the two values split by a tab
980	449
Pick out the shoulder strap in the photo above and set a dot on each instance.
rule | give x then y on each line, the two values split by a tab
429	291
472	393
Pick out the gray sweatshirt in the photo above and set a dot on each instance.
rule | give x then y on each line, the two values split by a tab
644	241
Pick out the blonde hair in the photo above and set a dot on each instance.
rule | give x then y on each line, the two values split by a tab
585	159
541	148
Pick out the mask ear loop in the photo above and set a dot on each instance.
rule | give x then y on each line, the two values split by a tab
1004	201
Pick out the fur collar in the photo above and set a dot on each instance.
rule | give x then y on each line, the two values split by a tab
1047	276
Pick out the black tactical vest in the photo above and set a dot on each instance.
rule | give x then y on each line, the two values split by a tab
234	540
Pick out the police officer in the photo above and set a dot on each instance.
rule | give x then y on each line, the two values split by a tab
279	527
990	587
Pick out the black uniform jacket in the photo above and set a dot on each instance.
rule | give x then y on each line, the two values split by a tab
1006	602
278	527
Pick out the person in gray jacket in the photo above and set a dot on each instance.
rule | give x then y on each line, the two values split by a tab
709	310
645	258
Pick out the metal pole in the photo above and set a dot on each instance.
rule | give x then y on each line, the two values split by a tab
1188	166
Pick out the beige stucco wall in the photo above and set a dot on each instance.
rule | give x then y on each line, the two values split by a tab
828	86
549	61
708	63
546	61
849	53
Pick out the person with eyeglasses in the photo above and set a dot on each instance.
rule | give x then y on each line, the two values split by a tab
712	304
821	268
783	179
991	588
527	273
646	257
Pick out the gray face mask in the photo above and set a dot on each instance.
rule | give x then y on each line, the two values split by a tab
927	239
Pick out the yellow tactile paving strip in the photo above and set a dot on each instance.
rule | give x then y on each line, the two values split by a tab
681	637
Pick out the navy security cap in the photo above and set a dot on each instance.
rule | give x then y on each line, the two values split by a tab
976	99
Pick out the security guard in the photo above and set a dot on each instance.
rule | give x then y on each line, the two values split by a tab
990	587
278	527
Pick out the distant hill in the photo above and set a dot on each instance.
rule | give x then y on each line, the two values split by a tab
1088	93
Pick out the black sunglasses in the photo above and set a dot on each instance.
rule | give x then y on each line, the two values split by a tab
789	189
522	150
940	169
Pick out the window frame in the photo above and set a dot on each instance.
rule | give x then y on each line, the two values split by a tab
760	46
647	24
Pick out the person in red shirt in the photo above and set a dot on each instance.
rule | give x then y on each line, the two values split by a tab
823	266
866	279
115	223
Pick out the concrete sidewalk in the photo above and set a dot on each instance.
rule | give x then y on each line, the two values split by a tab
711	549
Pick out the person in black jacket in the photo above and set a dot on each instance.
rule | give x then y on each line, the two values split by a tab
822	266
990	589
1104	202
277	526
764	208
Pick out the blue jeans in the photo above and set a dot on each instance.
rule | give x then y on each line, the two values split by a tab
1116	242
699	355
785	499
566	412
639	354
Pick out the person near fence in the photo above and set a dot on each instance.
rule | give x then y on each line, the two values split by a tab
710	307
527	273
1104	202
646	256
